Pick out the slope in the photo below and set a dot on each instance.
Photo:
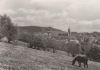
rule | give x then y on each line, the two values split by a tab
22	58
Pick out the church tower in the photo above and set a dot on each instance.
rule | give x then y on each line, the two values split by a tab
69	33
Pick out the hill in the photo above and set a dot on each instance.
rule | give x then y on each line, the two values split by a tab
35	29
15	57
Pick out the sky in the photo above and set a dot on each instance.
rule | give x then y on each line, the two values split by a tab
79	15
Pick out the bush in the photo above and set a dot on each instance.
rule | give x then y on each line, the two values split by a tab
94	53
35	41
39	41
73	48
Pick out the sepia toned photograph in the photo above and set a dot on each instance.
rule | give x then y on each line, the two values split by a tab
49	34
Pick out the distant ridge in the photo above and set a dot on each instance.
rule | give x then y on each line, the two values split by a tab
34	29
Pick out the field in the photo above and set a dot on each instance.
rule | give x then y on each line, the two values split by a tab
13	57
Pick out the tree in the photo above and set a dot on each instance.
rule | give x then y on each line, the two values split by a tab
73	48
86	45
38	42
52	44
94	53
7	28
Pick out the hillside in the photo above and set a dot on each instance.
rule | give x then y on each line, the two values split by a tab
35	29
22	58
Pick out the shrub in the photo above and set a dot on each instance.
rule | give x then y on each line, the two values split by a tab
94	53
73	48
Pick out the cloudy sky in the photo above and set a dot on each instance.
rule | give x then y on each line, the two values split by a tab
80	15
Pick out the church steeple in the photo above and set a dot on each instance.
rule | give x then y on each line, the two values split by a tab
69	33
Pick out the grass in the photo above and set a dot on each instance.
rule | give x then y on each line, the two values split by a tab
23	58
